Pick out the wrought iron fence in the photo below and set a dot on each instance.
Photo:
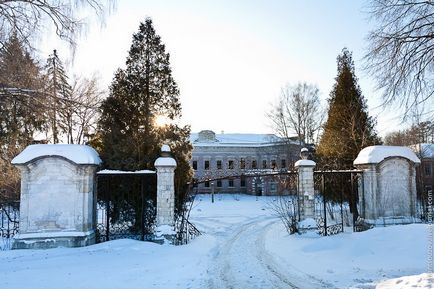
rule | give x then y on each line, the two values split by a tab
9	223
185	232
126	206
336	199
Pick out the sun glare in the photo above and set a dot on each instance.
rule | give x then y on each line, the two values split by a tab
161	120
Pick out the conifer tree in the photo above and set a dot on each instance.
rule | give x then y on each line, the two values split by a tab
144	90
20	110
58	93
349	128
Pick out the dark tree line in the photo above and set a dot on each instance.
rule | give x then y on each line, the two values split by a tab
415	134
37	104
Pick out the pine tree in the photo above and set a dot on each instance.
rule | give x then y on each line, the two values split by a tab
349	128
20	101
59	94
21	105
144	90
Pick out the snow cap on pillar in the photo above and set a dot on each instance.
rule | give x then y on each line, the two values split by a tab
304	162
166	159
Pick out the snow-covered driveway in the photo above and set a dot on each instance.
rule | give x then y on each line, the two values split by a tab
243	246
240	226
242	261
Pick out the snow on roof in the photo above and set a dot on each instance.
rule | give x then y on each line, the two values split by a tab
236	139
118	172
376	154
79	154
424	150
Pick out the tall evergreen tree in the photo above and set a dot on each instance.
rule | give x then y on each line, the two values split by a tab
349	128
20	102
144	90
58	93
20	110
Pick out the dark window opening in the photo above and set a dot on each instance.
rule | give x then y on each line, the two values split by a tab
428	170
242	164
283	164
264	164
231	165
219	165
206	166
219	183
195	165
231	183
243	182
254	165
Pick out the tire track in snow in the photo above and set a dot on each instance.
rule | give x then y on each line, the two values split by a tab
243	262
285	271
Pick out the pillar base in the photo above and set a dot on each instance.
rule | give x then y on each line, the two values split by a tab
49	240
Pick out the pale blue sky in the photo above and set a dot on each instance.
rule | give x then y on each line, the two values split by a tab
231	58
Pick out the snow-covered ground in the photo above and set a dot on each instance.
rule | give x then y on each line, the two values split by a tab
243	246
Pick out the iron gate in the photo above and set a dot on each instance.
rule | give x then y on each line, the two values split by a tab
336	200
9	223
126	205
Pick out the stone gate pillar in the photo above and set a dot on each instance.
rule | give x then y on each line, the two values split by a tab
165	166
57	205
388	192
305	186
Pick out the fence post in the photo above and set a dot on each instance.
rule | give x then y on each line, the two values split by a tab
165	166
306	191
324	203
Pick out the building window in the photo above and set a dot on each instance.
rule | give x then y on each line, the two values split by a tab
195	165
219	165
231	183
243	181
207	184
273	164
242	164
254	165
283	164
231	165
428	169
264	164
219	183
206	165
273	187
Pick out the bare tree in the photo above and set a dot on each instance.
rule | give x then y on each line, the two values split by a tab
298	111
400	55
79	112
28	18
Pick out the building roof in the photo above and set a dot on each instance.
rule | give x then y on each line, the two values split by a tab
376	154
209	138
424	150
79	154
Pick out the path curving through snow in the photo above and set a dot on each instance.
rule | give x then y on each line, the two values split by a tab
241	259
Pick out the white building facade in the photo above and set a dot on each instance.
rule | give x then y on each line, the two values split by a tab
216	156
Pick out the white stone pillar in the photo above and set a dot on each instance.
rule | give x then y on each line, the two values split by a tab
57	196
306	192
165	166
368	193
